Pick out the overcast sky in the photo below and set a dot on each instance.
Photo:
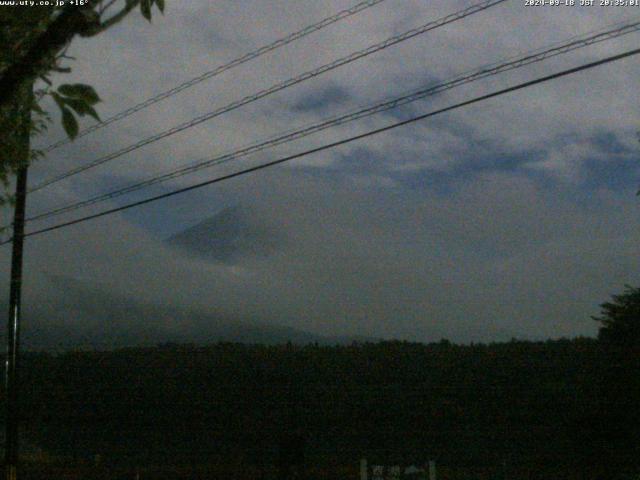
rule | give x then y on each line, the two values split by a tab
515	217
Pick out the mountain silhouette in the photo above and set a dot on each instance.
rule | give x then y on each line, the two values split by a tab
231	234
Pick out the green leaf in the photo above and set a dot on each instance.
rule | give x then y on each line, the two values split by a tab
69	123
92	112
81	107
58	99
145	8
61	69
79	90
160	4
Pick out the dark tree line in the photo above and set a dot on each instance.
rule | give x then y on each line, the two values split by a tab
555	406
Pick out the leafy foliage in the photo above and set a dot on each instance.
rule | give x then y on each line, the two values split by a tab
81	92
620	319
620	385
79	98
20	30
69	122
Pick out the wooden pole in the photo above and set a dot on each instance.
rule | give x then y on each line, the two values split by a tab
21	113
13	329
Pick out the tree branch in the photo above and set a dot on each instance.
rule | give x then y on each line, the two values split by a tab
104	8
73	20
114	19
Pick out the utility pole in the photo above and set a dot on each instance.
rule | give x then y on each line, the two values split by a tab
20	113
13	328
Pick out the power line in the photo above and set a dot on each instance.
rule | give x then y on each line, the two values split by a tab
276	88
483	72
220	69
338	143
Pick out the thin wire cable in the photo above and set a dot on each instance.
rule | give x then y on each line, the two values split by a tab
465	78
220	69
328	146
276	88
